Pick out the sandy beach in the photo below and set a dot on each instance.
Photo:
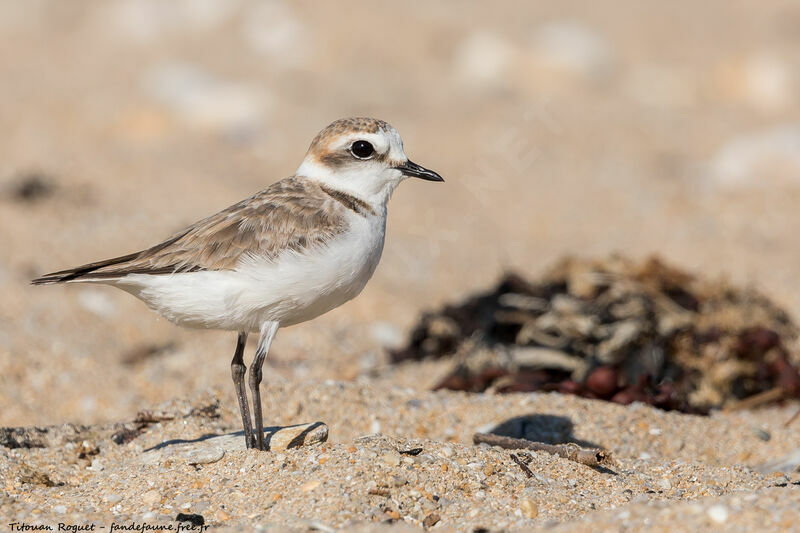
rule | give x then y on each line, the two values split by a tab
579	130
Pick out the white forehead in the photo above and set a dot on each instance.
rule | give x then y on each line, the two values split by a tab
384	140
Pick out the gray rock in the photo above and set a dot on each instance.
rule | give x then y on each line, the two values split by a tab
212	449
787	463
203	456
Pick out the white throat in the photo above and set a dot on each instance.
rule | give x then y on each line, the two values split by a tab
370	183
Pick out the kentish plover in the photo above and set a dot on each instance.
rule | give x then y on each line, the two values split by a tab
287	254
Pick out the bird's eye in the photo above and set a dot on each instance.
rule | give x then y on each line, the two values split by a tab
362	149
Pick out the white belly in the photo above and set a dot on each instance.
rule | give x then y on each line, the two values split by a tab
294	288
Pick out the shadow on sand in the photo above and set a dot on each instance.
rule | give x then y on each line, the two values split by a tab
269	432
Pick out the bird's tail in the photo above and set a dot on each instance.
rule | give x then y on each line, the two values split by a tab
88	272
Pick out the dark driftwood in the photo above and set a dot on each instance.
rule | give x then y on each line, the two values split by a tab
757	400
522	465
792	419
571	451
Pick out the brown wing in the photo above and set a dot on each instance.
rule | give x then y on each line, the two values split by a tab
292	214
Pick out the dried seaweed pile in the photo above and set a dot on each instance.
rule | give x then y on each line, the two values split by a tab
616	330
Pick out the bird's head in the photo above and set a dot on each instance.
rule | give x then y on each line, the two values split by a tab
361	156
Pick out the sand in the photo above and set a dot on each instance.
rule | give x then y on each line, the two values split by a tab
668	468
582	128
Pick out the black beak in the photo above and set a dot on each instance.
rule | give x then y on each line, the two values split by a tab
409	168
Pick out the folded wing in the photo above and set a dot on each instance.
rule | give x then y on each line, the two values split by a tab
292	214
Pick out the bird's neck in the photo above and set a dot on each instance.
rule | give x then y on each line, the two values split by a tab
374	191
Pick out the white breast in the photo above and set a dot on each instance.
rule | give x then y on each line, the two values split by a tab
293	288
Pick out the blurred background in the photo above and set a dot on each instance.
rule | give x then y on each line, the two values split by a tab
580	128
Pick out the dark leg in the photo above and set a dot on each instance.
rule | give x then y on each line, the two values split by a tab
237	372
267	334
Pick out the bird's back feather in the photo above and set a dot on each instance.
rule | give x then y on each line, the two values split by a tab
293	214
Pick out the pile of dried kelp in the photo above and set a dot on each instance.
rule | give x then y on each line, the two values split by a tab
620	331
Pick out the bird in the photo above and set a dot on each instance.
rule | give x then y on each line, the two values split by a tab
299	248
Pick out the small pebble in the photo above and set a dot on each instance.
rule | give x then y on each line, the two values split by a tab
431	520
151	496
391	458
529	509
387	334
203	456
781	481
718	513
191	518
286	437
760	434
311	485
